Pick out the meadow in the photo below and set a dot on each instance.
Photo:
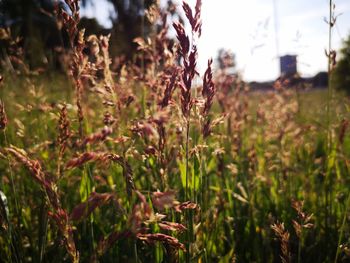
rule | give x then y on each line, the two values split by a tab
154	162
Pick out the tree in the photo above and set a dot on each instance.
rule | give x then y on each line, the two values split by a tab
34	22
341	74
128	23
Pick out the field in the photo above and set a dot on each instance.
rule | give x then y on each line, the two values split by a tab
140	164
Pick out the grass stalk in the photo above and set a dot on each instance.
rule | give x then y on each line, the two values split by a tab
43	229
329	128
13	186
342	229
187	196
16	250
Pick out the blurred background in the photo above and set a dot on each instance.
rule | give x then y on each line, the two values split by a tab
255	33
274	136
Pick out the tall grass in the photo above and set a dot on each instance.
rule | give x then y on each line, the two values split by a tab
141	164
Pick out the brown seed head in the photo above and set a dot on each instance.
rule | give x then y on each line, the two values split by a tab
283	236
63	129
3	116
169	240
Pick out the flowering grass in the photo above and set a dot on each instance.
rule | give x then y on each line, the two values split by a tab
141	165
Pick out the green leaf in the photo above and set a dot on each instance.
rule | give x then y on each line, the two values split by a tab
85	186
228	257
159	252
331	159
211	164
182	166
195	173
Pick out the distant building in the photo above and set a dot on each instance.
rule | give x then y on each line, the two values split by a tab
288	65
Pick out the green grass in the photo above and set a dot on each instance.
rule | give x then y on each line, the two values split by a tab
244	180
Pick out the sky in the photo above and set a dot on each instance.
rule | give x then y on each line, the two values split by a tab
247	28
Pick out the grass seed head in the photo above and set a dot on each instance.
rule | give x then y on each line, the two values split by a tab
3	116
